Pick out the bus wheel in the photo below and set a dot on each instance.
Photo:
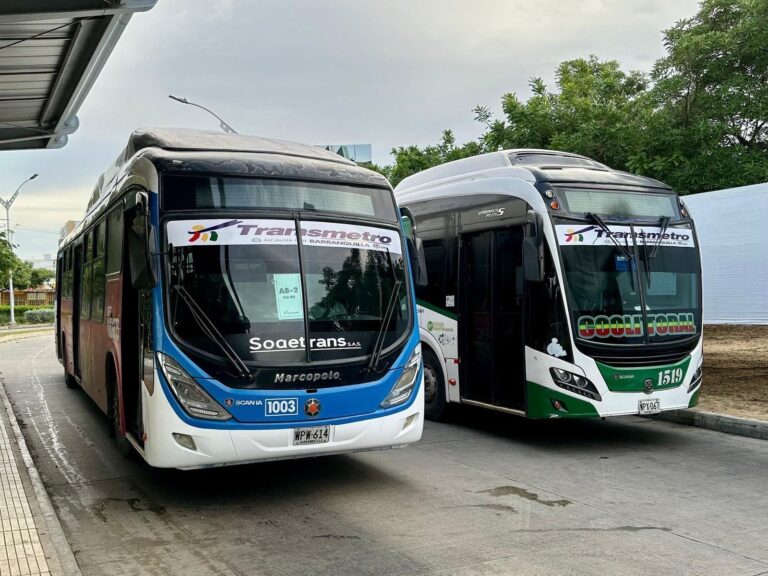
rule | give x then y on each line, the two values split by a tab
123	444
69	380
434	387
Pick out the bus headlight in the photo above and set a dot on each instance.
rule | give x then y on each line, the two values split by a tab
404	386
574	383
195	401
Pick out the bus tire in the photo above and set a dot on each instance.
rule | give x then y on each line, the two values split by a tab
434	387
123	444
69	380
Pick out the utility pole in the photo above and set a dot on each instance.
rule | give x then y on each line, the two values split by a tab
7	205
223	125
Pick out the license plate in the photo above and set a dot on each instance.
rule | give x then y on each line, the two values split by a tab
649	406
315	435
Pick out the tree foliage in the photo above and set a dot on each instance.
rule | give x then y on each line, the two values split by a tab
8	260
412	159
24	274
710	129
40	276
698	121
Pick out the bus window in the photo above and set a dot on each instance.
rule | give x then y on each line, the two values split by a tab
70	273
546	312
434	292
98	282
85	293
114	240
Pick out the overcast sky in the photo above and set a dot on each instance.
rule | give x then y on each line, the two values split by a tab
388	73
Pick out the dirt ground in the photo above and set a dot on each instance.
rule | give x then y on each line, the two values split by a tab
736	371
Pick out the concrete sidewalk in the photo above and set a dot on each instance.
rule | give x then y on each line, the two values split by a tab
6	330
8	334
31	540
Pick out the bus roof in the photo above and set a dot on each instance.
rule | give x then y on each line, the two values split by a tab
187	140
255	157
531	165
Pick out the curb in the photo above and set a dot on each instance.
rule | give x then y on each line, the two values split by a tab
25	334
67	565
718	422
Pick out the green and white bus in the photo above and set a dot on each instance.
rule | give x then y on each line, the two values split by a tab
558	287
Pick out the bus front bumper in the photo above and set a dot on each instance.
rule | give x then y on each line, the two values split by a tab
227	446
552	402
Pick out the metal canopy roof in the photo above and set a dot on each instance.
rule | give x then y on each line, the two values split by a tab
51	52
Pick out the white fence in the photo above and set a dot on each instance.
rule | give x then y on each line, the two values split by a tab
732	226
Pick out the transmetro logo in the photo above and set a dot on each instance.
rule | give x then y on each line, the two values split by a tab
200	232
572	235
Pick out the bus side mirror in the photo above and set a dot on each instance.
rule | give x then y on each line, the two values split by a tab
415	247
418	261
533	244
141	242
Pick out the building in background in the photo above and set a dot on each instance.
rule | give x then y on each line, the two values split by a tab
360	153
69	225
47	262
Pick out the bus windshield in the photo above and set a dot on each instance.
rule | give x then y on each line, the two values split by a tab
639	286
256	283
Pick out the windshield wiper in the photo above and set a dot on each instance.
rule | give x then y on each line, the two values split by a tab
209	329
604	227
381	337
646	262
663	224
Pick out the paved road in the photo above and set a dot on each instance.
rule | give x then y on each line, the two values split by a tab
485	494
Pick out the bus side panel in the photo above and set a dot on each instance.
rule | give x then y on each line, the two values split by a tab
65	332
112	316
86	356
57	320
100	341
99	346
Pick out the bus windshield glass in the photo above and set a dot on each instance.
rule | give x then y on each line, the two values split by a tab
182	192
619	203
610	278
256	283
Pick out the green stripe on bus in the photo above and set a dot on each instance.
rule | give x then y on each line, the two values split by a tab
633	379
443	311
695	398
539	404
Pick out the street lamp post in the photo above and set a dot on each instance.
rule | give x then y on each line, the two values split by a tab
223	125
7	205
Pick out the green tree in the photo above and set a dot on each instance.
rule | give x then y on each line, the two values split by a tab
596	111
412	159
8	261
22	275
39	276
698	122
710	126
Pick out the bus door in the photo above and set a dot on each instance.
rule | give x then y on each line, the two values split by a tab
491	330
77	288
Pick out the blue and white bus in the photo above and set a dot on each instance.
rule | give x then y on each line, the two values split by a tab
232	299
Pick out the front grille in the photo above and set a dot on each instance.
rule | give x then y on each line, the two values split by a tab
655	359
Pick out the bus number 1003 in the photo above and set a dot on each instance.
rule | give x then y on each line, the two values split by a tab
670	376
282	407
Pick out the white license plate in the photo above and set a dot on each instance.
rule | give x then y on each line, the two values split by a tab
649	406
315	435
